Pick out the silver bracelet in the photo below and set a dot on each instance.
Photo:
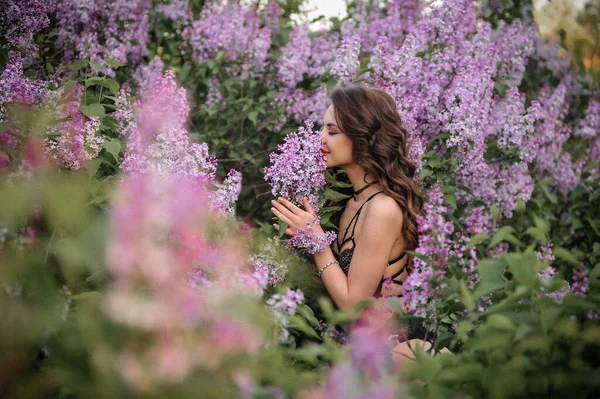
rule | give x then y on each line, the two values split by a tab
326	266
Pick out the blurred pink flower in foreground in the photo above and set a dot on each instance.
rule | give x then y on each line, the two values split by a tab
162	232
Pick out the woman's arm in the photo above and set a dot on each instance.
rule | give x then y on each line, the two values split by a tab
380	229
381	226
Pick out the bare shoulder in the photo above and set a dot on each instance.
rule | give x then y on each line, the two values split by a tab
385	209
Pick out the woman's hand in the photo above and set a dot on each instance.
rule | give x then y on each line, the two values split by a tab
295	217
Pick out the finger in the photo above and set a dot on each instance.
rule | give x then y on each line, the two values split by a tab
308	206
283	210
276	226
280	215
289	205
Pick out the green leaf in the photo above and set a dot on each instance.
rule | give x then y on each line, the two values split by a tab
252	115
95	65
451	199
113	147
300	324
501	322
467	298
490	272
76	66
477	239
565	255
112	85
550	196
93	166
500	235
282	227
335	196
309	315
69	86
92	110
536	233
113	63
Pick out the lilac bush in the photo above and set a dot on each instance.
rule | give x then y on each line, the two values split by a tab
117	29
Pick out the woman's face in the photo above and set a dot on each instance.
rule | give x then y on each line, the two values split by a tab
336	146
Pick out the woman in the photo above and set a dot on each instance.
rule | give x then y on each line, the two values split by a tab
363	135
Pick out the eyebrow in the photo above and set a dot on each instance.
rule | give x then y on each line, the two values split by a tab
331	124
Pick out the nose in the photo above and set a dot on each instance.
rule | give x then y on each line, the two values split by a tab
323	135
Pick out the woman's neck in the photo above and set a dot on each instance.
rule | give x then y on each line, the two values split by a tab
357	177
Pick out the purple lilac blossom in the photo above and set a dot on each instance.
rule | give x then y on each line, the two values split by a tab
297	171
17	88
589	126
370	21
305	239
214	97
228	193
300	104
266	260
347	60
115	28
579	284
283	306
234	29
418	290
515	43
19	19
146	75
303	56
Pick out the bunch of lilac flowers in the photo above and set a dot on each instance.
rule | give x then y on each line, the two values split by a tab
20	19
157	140
347	60
297	171
93	30
233	28
78	140
160	236
228	193
370	21
307	240
420	287
283	306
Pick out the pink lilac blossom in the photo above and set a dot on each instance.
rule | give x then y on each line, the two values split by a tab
282	306
266	261
297	171
78	139
306	239
19	19
515	43
157	140
228	193
93	30
368	371
347	60
17	88
146	75
159	237
233	28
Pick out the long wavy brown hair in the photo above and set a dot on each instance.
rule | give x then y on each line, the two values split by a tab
370	119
